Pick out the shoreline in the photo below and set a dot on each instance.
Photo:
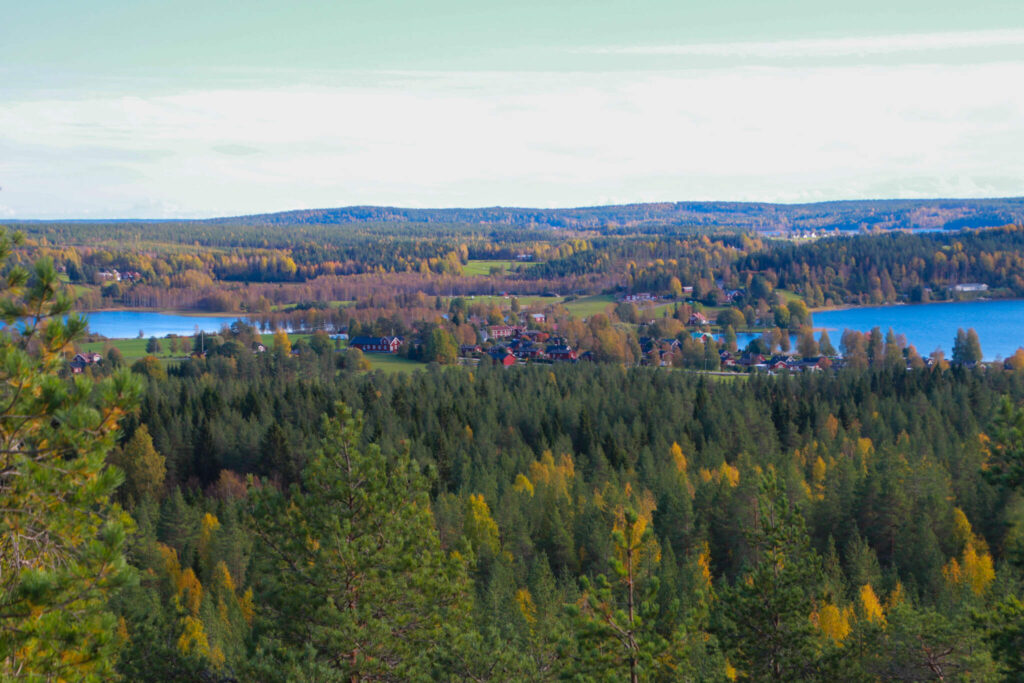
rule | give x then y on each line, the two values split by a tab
849	307
818	309
167	311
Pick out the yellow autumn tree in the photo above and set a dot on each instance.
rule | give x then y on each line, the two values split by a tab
282	344
963	534
193	639
818	471
556	477
725	473
480	528
978	571
704	562
870	607
974	568
207	527
681	466
895	597
524	601
523	484
144	467
834	622
831	426
678	458
208	621
1016	361
636	546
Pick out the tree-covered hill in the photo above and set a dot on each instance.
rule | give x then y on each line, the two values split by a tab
903	214
889	214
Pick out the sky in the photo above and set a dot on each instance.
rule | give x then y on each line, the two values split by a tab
188	108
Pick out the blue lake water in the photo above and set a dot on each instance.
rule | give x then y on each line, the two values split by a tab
128	324
1000	324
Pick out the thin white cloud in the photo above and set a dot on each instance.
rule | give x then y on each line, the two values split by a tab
475	139
826	47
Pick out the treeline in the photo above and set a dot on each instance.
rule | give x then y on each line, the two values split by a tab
584	521
231	269
895	266
863	269
264	298
847	215
162	250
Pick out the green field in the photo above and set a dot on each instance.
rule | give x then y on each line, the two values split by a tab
388	363
290	307
506	301
133	349
788	295
586	306
483	267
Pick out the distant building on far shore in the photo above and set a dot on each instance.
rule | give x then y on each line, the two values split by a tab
971	287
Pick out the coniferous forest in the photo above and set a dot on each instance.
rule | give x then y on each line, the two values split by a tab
543	341
289	515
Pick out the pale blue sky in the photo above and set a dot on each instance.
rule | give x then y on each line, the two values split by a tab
188	108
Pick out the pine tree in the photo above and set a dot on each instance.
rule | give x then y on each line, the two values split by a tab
350	572
1004	464
1005	468
615	618
766	615
924	644
61	538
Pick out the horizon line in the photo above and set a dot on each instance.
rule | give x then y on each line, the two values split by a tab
125	219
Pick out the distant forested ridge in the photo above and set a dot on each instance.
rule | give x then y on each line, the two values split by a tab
894	214
885	214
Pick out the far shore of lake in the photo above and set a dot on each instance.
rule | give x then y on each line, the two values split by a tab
998	322
169	311
886	304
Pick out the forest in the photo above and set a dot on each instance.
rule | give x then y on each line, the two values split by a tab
845	215
246	268
233	515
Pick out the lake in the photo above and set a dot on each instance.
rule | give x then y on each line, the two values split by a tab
1000	324
128	324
